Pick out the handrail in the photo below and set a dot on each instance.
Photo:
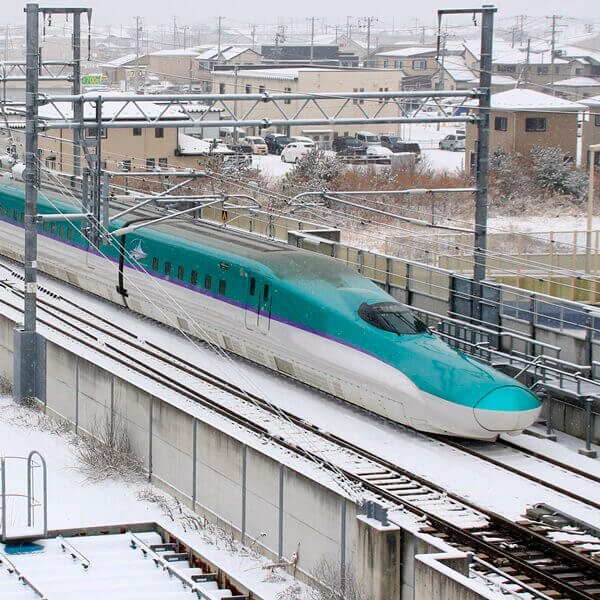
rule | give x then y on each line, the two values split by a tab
64	544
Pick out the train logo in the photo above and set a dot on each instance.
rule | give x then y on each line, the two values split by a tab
137	252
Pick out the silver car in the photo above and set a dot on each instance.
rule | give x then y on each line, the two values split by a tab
453	142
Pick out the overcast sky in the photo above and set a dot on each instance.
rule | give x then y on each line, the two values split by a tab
195	11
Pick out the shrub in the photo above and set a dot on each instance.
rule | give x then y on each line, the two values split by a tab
554	172
315	168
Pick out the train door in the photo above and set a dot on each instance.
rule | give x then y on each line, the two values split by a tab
258	304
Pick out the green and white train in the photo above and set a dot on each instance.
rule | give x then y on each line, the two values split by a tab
297	312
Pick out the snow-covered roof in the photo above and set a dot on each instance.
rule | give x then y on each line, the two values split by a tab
593	101
497	80
122	60
285	73
520	99
408	52
457	68
190	145
177	52
578	82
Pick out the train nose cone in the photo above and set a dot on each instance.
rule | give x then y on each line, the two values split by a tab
507	408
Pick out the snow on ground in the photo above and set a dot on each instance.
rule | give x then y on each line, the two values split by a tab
75	501
482	483
271	165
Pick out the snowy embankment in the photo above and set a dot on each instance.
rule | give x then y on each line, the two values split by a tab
75	500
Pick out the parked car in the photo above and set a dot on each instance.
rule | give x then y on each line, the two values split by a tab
346	145
379	154
395	144
366	138
293	152
257	144
276	142
453	142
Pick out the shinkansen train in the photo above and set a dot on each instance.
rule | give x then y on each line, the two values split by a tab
297	312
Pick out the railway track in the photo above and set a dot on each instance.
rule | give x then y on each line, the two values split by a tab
523	551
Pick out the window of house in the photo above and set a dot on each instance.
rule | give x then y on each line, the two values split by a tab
180	273
155	264
51	162
578	71
162	162
252	286
261	89
419	65
542	70
501	123
207	282
222	287
535	124
167	268
398	64
355	101
91	132
127	165
194	277
385	63
137	131
506	68
221	88
362	100
597	120
287	90
248	89
150	164
159	132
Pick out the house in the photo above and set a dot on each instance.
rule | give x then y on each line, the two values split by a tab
228	55
590	130
576	88
122	69
309	80
521	119
419	63
124	149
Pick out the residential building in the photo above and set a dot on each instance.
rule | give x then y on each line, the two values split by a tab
312	80
576	88
590	130
417	63
122	69
124	149
521	119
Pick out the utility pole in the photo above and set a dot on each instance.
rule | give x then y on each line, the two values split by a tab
174	32
137	54
220	21
253	36
312	39
367	22
349	27
552	51
528	60
590	208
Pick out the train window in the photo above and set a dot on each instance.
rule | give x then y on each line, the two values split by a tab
167	268
53	228
252	286
207	282
222	287
180	273
22	217
266	292
15	214
155	264
61	230
391	316
194	277
69	234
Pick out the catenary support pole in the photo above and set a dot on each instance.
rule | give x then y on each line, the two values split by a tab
483	148
77	106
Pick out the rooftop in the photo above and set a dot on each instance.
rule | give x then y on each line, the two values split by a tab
578	82
408	52
520	99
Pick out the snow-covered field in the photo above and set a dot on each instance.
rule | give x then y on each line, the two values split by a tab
76	501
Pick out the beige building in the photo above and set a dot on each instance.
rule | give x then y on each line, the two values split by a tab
418	61
126	149
576	88
312	80
590	131
522	119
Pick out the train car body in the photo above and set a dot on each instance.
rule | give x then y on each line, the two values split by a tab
297	312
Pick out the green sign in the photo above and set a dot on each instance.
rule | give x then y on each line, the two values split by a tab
94	79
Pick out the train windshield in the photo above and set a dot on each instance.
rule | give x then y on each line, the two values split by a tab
391	316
